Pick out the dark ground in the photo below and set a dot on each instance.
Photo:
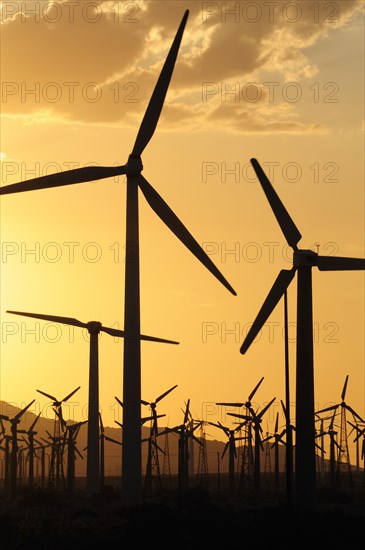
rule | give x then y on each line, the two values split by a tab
46	520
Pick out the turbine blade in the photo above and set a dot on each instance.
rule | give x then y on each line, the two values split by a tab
78	452
101	424
276	423
354	413
166	393
176	226
225	449
244	416
70	394
332	408
155	339
337	263
288	227
20	413
231	404
113	440
281	284
152	114
186	415
69	177
118	400
344	388
144	402
121	334
255	390
47	395
54	318
261	414
34	423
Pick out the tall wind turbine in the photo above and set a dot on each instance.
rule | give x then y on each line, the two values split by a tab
94	328
132	460
303	262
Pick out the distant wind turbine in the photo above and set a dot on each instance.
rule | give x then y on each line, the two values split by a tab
132	459
14	446
94	328
303	262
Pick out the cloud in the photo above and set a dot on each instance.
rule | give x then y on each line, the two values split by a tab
98	62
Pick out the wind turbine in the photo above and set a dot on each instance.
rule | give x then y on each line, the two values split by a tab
14	446
247	454
343	455
132	460
94	328
232	451
56	466
303	262
153	465
31	433
256	419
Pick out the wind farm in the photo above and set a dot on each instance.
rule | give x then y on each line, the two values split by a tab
82	243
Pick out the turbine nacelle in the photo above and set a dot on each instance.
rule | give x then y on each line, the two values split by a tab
134	166
304	258
93	327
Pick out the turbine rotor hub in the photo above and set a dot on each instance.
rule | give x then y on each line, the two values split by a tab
305	258
94	327
134	166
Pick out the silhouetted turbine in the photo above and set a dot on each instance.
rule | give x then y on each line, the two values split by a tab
94	328
56	466
132	460
256	419
31	433
232	451
303	261
14	446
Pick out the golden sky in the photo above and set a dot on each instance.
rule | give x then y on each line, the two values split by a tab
279	81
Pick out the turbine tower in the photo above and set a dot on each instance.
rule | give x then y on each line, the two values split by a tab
131	450
303	262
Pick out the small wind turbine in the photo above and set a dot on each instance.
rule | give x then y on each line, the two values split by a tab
153	465
343	455
277	437
56	466
14	446
94	328
31	433
232	451
303	262
132	459
256	419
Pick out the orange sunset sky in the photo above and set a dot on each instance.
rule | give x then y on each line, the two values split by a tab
279	81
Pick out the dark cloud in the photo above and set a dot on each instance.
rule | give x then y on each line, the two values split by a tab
99	61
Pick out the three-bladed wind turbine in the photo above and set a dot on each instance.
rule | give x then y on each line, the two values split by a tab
14	446
256	419
343	455
31	433
232	451
153	464
94	328
277	437
56	465
132	460
303	262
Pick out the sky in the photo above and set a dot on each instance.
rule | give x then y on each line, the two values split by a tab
282	82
